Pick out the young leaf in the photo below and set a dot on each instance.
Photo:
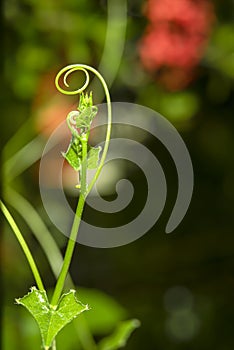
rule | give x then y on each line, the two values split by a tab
119	338
49	320
85	118
86	100
74	153
93	157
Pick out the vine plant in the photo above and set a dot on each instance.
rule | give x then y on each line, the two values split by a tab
53	315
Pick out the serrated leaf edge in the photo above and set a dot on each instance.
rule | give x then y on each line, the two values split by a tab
73	291
32	289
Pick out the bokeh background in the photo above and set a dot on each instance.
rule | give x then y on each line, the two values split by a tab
176	57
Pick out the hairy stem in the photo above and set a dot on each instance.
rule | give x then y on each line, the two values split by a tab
24	246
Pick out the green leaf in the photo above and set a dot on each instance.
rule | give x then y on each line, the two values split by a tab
74	153
119	338
49	320
85	118
93	157
86	100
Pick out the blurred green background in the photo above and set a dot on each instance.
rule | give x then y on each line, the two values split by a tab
180	286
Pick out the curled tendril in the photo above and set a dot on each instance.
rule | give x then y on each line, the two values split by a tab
68	70
86	69
71	122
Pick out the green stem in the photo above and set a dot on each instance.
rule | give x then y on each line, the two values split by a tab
84	142
54	345
84	190
74	231
55	258
69	252
24	246
72	68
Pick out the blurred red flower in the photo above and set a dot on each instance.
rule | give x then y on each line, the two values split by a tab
175	38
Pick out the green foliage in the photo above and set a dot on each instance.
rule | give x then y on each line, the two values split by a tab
120	336
58	32
86	111
74	153
104	315
80	124
93	157
86	101
50	320
85	117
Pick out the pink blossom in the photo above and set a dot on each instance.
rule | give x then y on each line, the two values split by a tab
176	35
